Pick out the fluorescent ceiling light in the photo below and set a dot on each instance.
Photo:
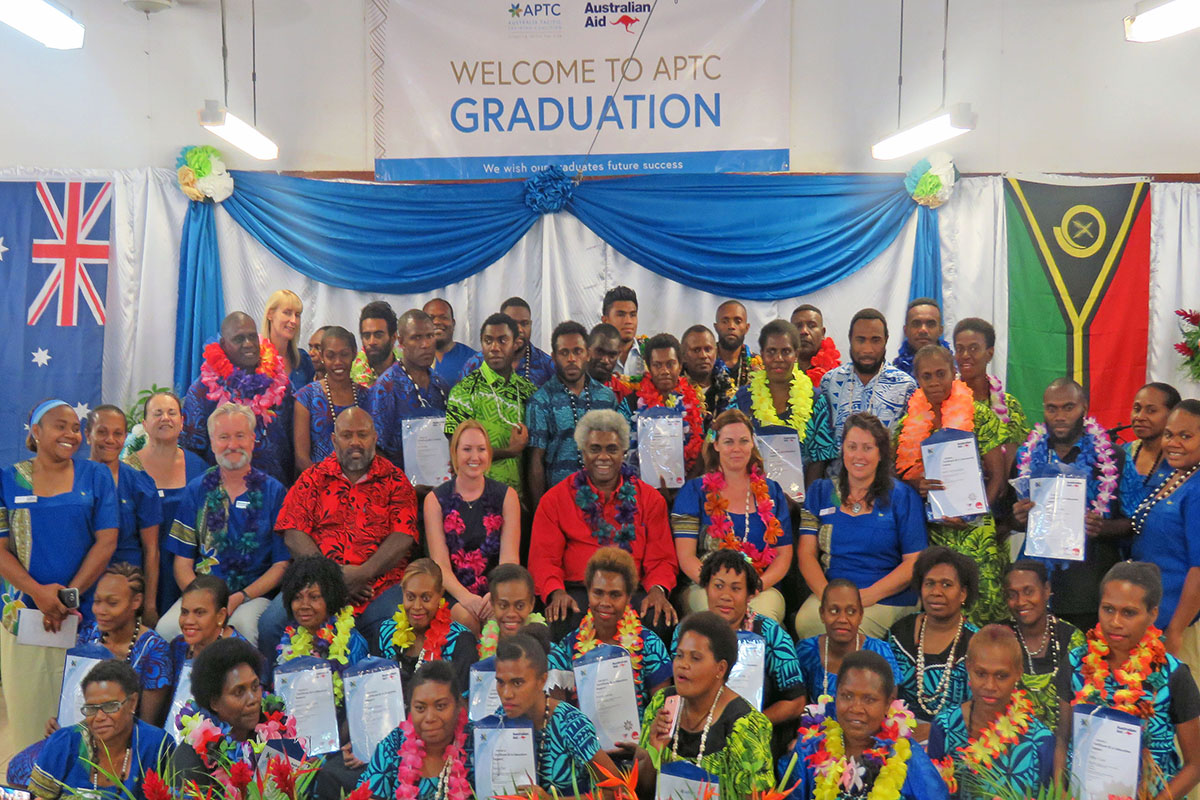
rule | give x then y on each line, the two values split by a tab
238	133
1153	19
40	20
955	121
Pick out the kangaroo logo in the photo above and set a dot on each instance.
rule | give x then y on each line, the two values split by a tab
626	20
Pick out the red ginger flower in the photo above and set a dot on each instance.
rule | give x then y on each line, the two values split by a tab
154	788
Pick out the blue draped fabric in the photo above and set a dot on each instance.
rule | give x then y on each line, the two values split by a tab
201	299
926	278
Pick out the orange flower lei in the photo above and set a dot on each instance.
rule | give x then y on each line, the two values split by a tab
629	636
1149	655
720	527
693	421
958	412
1005	730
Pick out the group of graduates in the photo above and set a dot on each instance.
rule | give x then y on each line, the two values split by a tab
268	515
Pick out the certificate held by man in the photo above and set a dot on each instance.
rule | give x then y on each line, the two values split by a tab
607	695
951	458
426	450
1057	522
660	446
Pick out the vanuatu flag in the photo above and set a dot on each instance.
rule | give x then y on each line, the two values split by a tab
1078	291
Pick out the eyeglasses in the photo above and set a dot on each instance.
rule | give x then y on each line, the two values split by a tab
110	708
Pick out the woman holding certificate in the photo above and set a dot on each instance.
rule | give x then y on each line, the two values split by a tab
943	403
710	725
821	656
864	527
734	505
1126	667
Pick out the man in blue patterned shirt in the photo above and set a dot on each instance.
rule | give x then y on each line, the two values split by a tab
554	411
868	383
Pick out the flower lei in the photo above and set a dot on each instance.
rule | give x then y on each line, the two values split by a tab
331	643
693	422
588	500
800	401
213	740
234	554
958	412
1095	449
998	400
1005	730
826	358
629	636
748	364
1145	660
412	759
621	386
435	635
491	634
470	566
720	527
261	390
836	773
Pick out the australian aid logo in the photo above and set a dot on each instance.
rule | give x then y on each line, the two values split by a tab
619	16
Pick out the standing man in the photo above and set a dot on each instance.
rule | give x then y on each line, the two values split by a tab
620	309
922	326
529	362
733	354
712	385
238	368
604	348
408	388
377	332
817	354
451	356
556	409
496	397
664	385
868	383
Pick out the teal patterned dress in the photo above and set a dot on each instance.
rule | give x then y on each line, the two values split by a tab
903	640
1026	765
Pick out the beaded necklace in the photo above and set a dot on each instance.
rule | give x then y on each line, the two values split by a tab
703	734
944	682
1178	478
95	772
137	631
825	661
1137	450
417	389
1049	641
329	395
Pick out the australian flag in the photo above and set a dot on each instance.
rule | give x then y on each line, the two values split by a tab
54	250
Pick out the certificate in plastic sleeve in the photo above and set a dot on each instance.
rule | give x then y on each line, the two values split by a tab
952	457
504	757
1056	526
77	662
783	458
1105	753
660	446
306	686
484	700
607	694
749	673
182	696
374	703
683	780
426	450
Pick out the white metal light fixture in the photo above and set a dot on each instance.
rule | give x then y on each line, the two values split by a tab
237	132
43	21
1153	20
949	123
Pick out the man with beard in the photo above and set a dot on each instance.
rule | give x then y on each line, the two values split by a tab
620	309
238	368
531	363
817	354
712	385
733	354
359	510
451	356
922	326
237	545
1072	437
556	408
377	333
408	388
867	383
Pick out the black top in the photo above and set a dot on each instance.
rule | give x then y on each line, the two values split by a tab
718	732
472	513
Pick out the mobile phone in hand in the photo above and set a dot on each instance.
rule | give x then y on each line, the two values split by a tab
69	597
671	706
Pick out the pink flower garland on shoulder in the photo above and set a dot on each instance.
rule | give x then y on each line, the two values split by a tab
1106	460
412	759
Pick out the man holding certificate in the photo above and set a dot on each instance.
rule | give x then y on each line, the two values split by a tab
662	395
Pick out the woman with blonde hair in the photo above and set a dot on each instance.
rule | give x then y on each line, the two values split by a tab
281	326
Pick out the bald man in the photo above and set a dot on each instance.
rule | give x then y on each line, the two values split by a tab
222	379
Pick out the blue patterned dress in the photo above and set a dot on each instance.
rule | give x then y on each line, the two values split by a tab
461	650
320	422
903	640
65	760
656	664
382	773
565	748
1026	765
819	681
921	779
1135	487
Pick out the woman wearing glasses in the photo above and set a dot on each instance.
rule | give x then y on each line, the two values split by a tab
110	745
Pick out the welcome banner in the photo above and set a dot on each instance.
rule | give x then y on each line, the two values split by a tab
469	89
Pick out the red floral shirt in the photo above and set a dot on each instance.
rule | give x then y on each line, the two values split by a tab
348	521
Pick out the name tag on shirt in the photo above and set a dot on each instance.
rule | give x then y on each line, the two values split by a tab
242	504
827	511
25	498
161	493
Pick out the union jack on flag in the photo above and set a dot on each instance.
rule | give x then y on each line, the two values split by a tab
71	250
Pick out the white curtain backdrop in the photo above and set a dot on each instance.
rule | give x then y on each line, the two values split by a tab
1174	277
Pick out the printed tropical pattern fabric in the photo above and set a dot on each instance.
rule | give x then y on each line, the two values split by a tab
388	649
382	773
565	748
783	664
1025	765
656	662
958	689
1042	686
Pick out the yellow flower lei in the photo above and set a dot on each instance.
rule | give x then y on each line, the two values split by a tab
629	636
404	635
339	648
800	400
995	738
888	782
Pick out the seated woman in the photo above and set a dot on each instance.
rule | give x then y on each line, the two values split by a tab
931	647
716	728
421	629
734	505
230	719
730	582
319	403
821	656
866	741
513	600
472	525
994	741
1125	666
865	527
436	735
610	578
203	618
568	751
1046	643
110	746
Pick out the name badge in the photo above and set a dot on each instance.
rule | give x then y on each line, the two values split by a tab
161	493
25	498
242	504
827	511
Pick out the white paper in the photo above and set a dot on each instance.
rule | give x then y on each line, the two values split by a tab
374	708
74	670
183	696
749	673
485	700
1106	753
784	459
308	696
660	450
608	697
1056	522
956	464
426	450
688	784
504	760
31	630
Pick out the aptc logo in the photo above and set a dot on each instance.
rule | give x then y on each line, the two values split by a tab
519	10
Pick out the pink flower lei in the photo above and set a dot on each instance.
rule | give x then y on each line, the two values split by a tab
412	759
1101	454
261	390
470	566
999	401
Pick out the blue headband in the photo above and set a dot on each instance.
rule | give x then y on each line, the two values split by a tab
41	410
